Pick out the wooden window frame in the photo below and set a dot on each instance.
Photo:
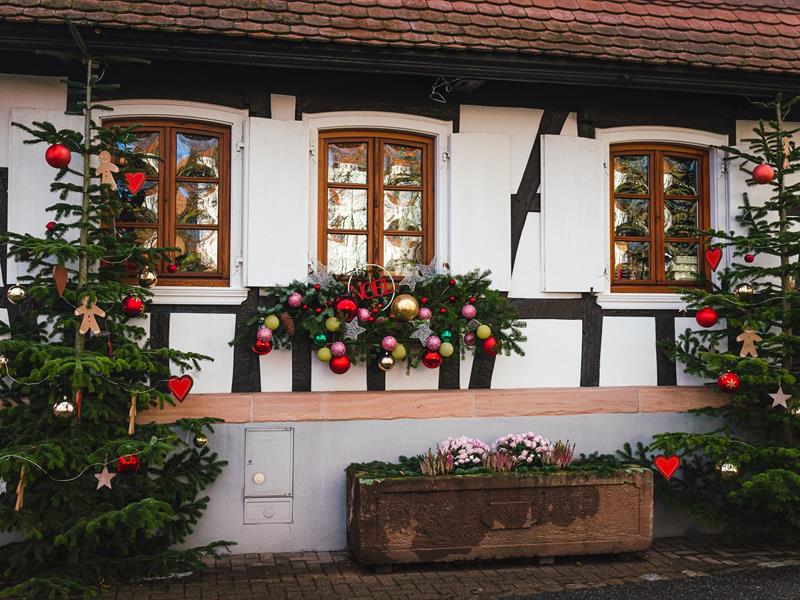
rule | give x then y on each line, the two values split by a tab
657	239
168	128
375	187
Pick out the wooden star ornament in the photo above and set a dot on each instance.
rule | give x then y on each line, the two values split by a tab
779	398
104	478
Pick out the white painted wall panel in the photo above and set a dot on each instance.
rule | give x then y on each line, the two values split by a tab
144	323
570	125
552	357
420	378
24	91
277	206
29	177
681	325
207	334
519	124
323	380
480	208
276	371
628	351
573	214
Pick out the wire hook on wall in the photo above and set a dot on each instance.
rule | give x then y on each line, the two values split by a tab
442	84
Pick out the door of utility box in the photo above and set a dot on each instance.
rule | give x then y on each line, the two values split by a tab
268	463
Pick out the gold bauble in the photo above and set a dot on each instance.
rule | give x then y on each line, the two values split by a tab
727	469
16	294
743	291
64	409
405	307
386	362
147	278
200	440
791	283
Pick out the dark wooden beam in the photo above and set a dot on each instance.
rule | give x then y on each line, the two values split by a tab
591	340
666	371
246	375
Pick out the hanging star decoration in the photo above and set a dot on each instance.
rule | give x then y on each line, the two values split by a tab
422	333
748	337
104	478
3	486
779	398
352	330
319	274
419	273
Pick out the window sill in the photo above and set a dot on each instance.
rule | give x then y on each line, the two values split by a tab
198	295
641	301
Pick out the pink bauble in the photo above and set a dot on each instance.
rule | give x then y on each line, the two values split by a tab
363	314
294	300
433	343
468	311
264	333
338	349
469	339
425	313
389	343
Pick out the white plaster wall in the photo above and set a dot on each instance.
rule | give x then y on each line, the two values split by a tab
324	380
421	378
322	450
27	91
276	371
681	325
208	335
552	357
628	351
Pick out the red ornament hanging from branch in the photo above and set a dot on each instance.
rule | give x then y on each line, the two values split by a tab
763	173
58	156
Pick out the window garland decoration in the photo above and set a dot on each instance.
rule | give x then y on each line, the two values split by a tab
426	318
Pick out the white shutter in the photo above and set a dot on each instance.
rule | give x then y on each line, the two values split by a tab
29	177
480	205
277	208
573	215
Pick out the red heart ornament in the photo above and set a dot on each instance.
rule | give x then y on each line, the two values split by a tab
135	182
667	465
713	256
180	386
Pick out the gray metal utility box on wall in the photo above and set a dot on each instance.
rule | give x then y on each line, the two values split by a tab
268	475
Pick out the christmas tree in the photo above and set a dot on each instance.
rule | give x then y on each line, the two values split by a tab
92	497
745	477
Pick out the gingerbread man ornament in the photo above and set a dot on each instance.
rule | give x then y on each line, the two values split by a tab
106	168
748	337
90	312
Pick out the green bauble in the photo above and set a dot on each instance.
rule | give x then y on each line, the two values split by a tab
483	332
399	352
446	336
446	349
272	322
324	354
332	324
320	339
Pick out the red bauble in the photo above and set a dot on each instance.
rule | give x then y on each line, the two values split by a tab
763	173
58	156
491	345
748	258
132	306
452	282
346	309
339	364
432	359
262	347
128	464
318	310
172	268
51	226
728	381
706	317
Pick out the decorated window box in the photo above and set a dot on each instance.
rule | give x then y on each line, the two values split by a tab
396	514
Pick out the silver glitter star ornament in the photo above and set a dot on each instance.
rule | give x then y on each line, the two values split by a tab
352	330
422	333
319	274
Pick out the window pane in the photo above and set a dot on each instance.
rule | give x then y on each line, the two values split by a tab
632	174
680	176
401	253
197	203
145	237
346	252
402	165
197	250
347	208
402	211
196	155
143	207
679	217
681	261
631	260
347	162
631	217
144	143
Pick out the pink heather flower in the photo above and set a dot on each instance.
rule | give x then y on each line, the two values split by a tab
466	451
525	447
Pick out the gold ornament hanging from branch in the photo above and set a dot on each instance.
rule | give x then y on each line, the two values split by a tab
20	490
132	415
727	469
743	291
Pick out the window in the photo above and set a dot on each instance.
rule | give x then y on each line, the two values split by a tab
184	201
375	200
659	197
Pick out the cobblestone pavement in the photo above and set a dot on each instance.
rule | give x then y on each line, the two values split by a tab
329	575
